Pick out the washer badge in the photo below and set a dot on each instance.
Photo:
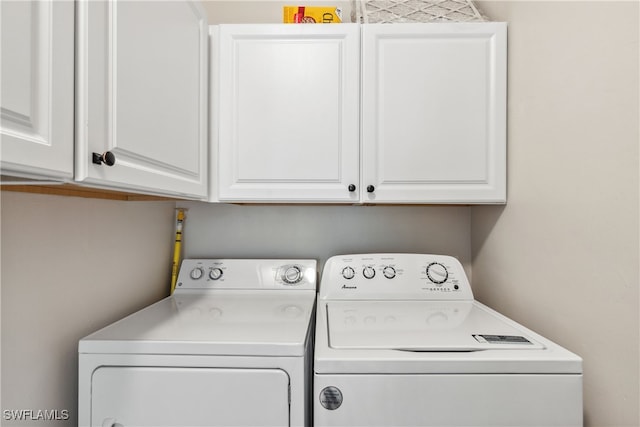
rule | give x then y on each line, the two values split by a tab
331	398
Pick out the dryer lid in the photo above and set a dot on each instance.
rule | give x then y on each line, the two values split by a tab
223	322
422	326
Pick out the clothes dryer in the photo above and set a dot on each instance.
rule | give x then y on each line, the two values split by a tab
231	347
400	341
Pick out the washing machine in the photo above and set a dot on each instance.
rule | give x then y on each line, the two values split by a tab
400	341
231	347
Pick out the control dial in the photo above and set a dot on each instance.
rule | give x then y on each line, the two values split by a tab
196	273
437	273
292	275
348	273
215	273
369	272
389	272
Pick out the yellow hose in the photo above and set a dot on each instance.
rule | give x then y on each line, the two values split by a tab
176	250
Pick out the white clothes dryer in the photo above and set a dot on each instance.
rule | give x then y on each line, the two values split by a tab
400	341
231	347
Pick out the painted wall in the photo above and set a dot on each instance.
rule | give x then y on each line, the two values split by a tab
70	266
562	255
318	232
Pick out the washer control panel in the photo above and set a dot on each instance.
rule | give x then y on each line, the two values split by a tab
395	276
247	274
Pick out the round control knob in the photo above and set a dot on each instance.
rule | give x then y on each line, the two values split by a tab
369	272
437	273
215	273
389	272
292	275
196	273
348	273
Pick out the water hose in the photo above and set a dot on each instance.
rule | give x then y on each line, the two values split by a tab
177	247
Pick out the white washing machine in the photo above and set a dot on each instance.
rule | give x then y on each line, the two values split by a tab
400	341
231	347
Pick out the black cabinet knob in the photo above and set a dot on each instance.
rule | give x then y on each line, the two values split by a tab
371	189
108	158
352	188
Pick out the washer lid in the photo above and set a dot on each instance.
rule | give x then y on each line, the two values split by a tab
422	326
255	323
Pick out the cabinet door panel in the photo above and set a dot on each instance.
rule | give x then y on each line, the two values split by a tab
434	115
288	126
37	89
143	95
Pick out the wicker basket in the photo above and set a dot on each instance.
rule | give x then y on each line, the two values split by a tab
386	11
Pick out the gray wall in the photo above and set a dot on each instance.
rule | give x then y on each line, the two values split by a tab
318	232
70	266
562	255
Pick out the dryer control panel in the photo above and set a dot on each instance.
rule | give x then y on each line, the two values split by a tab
394	277
247	274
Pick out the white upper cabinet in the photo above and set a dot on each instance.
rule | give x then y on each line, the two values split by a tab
288	110
434	113
142	95
37	89
428	125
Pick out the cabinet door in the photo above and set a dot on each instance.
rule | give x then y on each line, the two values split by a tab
434	113
37	89
142	95
289	112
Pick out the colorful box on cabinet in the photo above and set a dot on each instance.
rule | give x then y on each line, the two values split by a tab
312	15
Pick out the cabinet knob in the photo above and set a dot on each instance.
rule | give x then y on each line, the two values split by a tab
371	189
108	158
352	188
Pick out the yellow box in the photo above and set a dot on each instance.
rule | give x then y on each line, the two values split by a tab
312	15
